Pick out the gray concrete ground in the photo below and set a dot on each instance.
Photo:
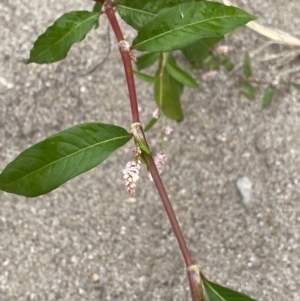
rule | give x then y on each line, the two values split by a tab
52	246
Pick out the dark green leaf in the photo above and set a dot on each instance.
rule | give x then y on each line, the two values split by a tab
138	12
185	24
296	86
57	159
146	60
54	44
217	292
247	66
180	75
97	8
167	92
200	49
268	97
179	86
145	77
248	90
150	124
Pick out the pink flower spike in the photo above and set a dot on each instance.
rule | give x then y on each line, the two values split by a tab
155	114
296	80
159	161
209	75
136	151
223	49
131	175
167	130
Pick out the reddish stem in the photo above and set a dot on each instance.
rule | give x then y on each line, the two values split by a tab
125	53
126	61
170	212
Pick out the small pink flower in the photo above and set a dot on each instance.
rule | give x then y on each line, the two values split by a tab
131	175
155	114
167	130
136	151
296	80
159	161
223	49
209	75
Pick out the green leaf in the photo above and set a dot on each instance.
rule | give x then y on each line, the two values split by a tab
146	60
268	97
247	66
54	44
200	49
248	90
296	86
181	76
150	124
137	13
183	25
97	8
228	64
145	77
167	92
57	159
217	292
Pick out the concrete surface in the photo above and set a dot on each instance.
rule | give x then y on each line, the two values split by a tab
88	240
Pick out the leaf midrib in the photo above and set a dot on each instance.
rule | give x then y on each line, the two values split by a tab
184	26
136	10
58	41
215	291
63	158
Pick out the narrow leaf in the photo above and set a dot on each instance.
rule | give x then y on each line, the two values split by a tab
145	77
296	86
57	159
227	64
200	49
184	24
248	90
268	97
247	66
55	43
137	13
167	92
217	292
150	124
181	76
146	60
97	8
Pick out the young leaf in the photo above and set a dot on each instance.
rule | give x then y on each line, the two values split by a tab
167	92
145	77
217	292
146	60
137	13
200	49
54	44
184	24
181	76
57	159
150	124
268	97
227	64
247	66
248	90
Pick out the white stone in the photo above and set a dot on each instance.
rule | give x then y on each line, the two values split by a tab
244	186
